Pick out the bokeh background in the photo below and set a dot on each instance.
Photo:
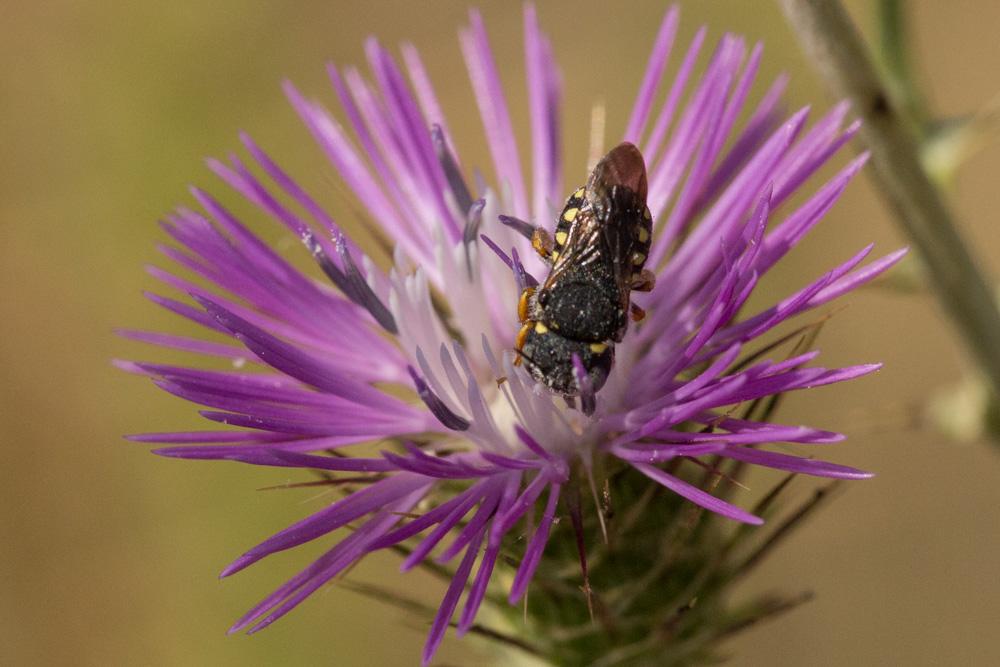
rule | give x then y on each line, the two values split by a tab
109	555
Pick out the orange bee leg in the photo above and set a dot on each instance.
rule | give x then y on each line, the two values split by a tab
644	281
522	336
524	304
542	242
637	313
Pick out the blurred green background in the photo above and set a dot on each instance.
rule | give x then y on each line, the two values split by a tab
109	555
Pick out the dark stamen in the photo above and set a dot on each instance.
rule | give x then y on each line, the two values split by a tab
523	278
437	407
331	270
451	171
473	220
491	244
363	295
520	226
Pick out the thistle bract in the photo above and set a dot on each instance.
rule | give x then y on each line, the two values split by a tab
476	461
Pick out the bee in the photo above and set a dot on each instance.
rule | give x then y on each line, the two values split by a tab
597	257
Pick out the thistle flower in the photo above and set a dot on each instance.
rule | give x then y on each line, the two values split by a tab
324	364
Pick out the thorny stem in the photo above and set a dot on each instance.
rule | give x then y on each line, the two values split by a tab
833	43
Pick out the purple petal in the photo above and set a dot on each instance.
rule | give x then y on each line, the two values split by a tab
485	494
334	561
543	102
232	452
338	514
437	515
437	407
794	463
483	514
493	111
531	443
478	590
451	596
185	344
654	74
295	362
533	554
696	495
524	502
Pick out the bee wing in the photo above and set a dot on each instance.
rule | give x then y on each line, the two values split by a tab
617	190
624	167
619	253
603	229
582	246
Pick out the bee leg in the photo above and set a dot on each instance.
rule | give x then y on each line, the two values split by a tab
637	313
540	239
524	304
643	281
522	335
542	242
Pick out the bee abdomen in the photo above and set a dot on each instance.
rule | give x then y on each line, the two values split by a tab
548	356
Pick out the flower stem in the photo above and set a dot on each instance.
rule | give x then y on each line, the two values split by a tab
833	43
894	52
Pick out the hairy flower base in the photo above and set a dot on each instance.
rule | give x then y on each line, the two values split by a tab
657	592
476	463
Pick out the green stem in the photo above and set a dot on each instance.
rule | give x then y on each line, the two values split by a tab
894	51
835	46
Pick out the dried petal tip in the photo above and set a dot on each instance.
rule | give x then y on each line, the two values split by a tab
362	294
523	278
443	413
523	228
451	169
473	220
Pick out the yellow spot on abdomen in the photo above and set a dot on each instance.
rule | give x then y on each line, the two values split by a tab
570	214
555	256
541	328
578	194
638	258
598	348
643	235
561	238
522	336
